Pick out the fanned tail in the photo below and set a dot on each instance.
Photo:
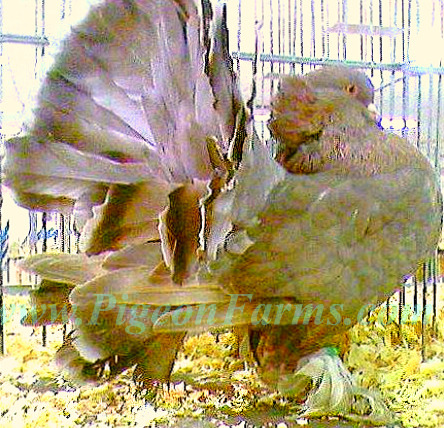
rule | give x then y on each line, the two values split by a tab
121	139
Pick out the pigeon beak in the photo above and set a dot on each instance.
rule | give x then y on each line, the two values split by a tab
374	114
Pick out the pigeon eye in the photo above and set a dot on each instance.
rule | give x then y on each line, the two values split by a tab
351	89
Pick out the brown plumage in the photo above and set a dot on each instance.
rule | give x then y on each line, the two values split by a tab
181	204
356	210
121	140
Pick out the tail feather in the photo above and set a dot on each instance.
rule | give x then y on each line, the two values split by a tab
130	80
120	139
49	304
72	269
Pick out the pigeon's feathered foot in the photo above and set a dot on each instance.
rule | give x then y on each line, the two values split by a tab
330	390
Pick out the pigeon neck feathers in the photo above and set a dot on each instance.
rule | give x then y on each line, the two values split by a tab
322	122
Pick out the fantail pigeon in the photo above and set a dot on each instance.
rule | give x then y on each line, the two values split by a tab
141	133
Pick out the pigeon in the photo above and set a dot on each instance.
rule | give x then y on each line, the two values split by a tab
334	224
189	223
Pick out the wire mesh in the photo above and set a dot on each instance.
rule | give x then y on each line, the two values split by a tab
385	39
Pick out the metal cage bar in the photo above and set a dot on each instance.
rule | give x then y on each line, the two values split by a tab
372	35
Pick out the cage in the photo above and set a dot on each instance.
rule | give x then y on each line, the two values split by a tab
398	43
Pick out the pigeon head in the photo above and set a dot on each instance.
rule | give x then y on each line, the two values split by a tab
350	82
311	113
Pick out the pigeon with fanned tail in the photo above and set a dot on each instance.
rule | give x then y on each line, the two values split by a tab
183	208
